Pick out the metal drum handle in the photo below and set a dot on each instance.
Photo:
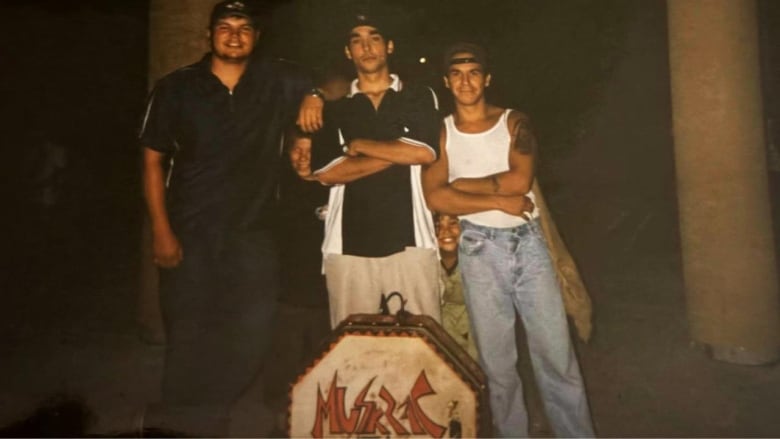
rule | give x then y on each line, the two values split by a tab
384	305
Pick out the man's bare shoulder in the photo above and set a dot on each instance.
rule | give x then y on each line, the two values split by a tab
521	131
479	121
517	117
494	113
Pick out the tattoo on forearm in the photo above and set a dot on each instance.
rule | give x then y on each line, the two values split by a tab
496	184
523	139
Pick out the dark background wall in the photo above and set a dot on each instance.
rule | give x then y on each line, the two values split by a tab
75	74
592	73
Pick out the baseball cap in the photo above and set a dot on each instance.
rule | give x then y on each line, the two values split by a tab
478	55
354	20
233	8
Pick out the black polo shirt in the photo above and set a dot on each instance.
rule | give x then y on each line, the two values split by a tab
225	147
377	217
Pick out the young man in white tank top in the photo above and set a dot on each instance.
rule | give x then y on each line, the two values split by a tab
484	175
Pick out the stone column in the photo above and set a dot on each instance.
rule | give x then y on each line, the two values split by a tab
725	221
177	34
177	37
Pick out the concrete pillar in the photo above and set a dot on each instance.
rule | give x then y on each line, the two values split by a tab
725	221
177	34
177	37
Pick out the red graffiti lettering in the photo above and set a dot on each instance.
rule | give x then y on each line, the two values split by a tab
370	419
333	409
397	426
419	422
365	414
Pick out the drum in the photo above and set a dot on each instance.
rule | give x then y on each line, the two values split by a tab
382	376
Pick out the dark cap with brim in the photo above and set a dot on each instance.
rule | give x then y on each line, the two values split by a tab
364	19
233	8
477	53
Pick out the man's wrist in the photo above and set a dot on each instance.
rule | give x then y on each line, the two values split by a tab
355	145
317	93
500	202
162	233
161	227
494	182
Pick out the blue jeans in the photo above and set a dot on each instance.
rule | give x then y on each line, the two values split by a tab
506	270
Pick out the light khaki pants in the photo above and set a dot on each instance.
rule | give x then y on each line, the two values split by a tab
356	284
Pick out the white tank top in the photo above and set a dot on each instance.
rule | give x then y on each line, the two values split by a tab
475	155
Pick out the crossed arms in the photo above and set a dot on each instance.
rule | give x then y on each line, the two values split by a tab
503	191
347	151
364	157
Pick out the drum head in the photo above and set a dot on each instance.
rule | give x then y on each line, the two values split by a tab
378	377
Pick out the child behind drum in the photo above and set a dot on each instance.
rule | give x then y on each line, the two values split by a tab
454	316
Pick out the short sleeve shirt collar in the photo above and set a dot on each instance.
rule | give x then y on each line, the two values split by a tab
395	85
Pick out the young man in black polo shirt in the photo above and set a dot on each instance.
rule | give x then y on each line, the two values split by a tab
217	126
379	234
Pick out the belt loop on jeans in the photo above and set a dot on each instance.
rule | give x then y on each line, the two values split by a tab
533	225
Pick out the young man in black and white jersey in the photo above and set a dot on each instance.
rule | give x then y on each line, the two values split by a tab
379	234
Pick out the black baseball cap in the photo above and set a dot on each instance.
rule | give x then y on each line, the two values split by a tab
354	20
478	55
234	8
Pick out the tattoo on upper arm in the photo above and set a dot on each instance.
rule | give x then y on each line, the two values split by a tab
523	139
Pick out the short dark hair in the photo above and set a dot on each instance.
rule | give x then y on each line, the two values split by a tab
479	55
